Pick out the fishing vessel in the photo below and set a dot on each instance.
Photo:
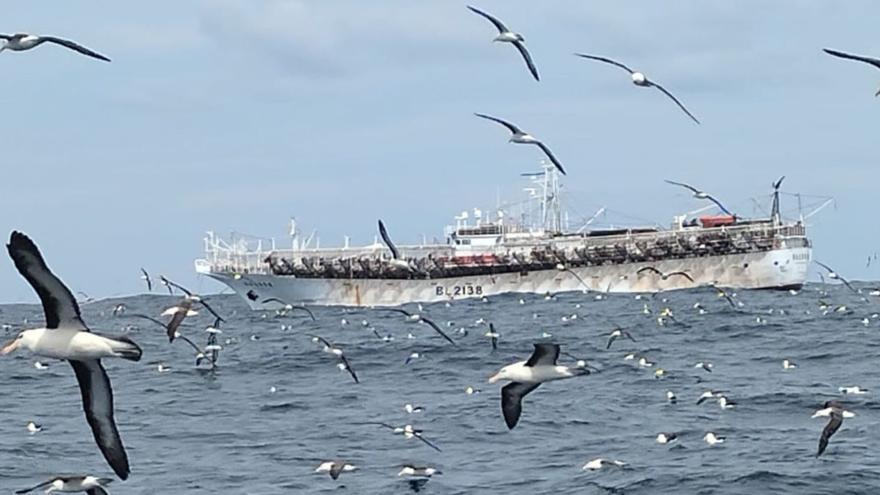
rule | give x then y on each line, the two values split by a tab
484	255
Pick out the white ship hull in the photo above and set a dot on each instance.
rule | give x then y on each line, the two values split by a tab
778	268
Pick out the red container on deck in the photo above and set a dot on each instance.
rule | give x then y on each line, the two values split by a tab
717	221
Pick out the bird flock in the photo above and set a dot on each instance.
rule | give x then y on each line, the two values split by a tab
65	336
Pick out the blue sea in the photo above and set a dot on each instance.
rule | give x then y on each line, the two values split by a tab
276	405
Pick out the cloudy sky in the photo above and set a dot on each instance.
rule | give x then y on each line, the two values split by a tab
233	115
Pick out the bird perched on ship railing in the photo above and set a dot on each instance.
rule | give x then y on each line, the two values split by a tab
833	275
701	195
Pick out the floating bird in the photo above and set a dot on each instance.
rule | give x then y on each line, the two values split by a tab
410	409
639	79
521	137
597	464
665	438
708	394
335	468
67	337
395	254
423	471
412	357
526	376
505	35
332	349
670	396
835	411
72	484
417	318
712	439
146	278
409	432
20	42
854	390
33	428
835	276
725	403
868	60
119	309
788	365
701	195
618	332
705	365
665	276
290	307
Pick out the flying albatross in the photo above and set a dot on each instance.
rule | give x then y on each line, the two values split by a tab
67	337
146	278
665	276
72	484
868	60
289	307
329	348
505	35
834	410
833	275
700	195
639	79
526	376
395	254
521	137
21	42
417	318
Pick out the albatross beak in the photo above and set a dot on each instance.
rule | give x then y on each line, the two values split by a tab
494	378
9	347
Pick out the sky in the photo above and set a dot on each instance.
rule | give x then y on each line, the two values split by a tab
234	115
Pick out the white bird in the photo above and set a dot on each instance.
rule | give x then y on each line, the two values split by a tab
72	484
665	438
712	439
335	468
725	403
505	35
33	428
597	464
854	390
670	396
639	79
424	471
519	136
526	376
66	337
788	365
21	41
834	410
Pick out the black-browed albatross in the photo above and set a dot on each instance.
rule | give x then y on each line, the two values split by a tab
505	35
519	136
66	337
21	41
417	318
72	484
526	376
395	260
700	195
859	58
639	79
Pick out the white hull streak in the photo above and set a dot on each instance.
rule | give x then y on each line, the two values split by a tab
775	269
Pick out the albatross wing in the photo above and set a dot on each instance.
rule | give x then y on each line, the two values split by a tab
58	302
830	429
97	396
544	354
511	400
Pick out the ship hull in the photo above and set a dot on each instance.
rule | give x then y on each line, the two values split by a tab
775	269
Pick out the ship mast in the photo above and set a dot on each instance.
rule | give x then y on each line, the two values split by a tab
551	207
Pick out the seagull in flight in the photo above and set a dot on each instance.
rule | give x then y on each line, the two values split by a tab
639	79
21	41
665	276
835	276
868	60
521	137
701	195
505	35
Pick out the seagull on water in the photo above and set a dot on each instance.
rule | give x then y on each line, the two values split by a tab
72	484
67	337
597	464
336	351
700	195
21	41
526	376
868	60
505	35
835	411
521	137
639	79
335	468
711	438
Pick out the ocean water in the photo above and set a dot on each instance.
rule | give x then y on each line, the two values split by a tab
192	431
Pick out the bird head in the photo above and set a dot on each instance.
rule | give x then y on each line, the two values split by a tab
503	374
24	339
